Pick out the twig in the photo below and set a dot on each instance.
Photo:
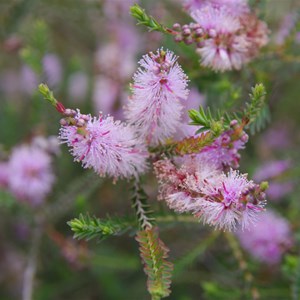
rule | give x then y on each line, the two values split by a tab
30	270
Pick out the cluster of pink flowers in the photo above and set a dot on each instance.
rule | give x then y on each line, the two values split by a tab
227	34
155	109
268	239
107	146
28	174
198	186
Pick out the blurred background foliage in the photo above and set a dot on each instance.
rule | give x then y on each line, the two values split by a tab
93	39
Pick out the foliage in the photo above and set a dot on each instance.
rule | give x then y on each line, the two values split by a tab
87	227
143	19
154	254
254	114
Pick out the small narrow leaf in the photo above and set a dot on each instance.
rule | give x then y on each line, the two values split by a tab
86	227
144	19
158	270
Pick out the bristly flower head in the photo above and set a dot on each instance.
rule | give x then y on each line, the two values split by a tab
154	108
268	239
30	174
229	39
218	199
234	7
107	146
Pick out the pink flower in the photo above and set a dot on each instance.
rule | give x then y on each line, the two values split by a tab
106	94
52	69
154	108
231	40
234	7
274	172
107	146
4	174
287	25
224	151
30	174
78	86
272	169
199	187
226	202
268	239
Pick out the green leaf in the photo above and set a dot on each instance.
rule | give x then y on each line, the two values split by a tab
86	227
144	19
256	112
158	270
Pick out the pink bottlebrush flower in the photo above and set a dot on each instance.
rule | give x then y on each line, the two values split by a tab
234	7
154	108
268	239
199	187
107	146
224	152
225	48
231	40
30	174
4	174
178	184
226	202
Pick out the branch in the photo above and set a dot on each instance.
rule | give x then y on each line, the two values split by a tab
142	210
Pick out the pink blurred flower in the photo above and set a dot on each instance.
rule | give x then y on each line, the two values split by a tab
268	239
28	80
154	108
106	94
114	9
52	69
287	25
107	146
272	169
30	174
278	190
78	86
272	172
48	144
4	174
